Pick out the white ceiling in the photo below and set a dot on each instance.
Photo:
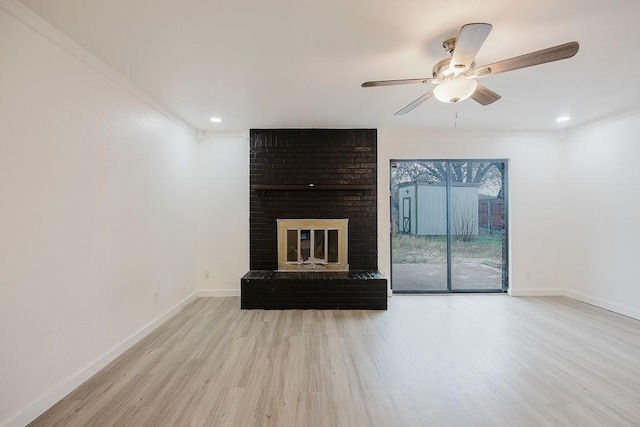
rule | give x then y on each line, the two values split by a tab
300	63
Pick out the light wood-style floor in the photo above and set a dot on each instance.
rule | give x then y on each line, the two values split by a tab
463	360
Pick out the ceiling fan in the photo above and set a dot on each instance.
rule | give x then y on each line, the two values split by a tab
456	77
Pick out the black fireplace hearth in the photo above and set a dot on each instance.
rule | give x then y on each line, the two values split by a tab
349	290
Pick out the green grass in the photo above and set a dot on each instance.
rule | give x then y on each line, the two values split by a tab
410	249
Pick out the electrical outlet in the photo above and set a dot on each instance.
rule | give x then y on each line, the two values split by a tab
207	275
155	297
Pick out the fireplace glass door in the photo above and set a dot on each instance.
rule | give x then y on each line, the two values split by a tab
323	241
312	245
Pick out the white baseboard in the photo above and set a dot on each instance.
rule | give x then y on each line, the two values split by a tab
607	305
40	405
536	292
218	293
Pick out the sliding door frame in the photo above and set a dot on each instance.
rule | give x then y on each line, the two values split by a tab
507	228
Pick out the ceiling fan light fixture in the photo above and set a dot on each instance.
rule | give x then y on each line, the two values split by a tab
455	90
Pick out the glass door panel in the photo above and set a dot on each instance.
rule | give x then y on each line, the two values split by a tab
332	246
305	245
292	246
318	244
419	237
476	207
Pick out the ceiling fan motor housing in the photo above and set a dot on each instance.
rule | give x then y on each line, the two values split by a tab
442	69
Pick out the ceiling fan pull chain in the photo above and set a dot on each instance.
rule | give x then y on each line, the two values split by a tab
455	119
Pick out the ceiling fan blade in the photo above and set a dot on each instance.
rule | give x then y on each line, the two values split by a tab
469	42
484	96
415	103
397	82
543	56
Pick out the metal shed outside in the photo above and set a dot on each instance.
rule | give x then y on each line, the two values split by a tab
422	208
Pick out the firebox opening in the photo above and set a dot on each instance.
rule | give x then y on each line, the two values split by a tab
312	244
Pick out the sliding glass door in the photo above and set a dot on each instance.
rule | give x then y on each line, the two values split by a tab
448	222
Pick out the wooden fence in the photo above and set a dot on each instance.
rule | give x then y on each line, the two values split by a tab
491	214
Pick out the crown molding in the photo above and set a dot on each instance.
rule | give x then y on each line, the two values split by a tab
55	36
243	134
467	133
608	118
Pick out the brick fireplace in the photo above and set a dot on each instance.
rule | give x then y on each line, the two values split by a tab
298	176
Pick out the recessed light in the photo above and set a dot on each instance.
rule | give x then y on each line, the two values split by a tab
563	119
215	119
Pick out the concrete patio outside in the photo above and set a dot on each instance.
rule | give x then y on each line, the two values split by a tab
433	277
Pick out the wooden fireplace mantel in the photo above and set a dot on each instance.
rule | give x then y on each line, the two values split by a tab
313	187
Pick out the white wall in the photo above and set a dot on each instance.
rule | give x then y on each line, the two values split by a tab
534	168
98	213
602	215
223	213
